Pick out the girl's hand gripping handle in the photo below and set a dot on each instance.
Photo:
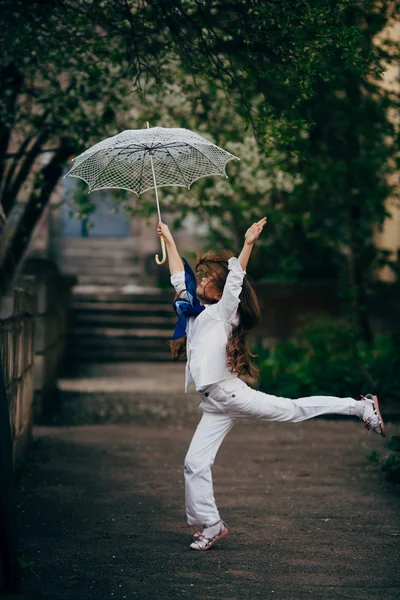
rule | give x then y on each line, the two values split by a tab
164	254
167	241
165	236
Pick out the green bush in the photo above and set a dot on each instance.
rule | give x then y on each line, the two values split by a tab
326	359
392	462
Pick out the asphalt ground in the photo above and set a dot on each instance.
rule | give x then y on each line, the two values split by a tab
101	514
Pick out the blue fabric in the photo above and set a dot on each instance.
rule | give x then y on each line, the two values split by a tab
186	308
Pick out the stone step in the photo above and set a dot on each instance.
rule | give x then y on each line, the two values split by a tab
108	344
109	325
128	341
123	333
96	271
114	243
105	279
93	292
138	373
156	309
73	252
115	272
91	299
97	263
121	355
86	318
97	258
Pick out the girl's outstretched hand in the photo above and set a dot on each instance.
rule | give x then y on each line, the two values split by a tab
163	229
254	231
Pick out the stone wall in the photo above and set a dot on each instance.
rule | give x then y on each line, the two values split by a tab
53	292
16	348
33	322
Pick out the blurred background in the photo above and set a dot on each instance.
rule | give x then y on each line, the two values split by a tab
306	96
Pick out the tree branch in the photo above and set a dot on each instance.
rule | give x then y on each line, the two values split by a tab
12	167
45	183
11	191
12	81
22	152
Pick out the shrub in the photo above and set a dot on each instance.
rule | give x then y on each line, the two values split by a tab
326	359
392	462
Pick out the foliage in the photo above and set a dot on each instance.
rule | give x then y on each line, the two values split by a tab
327	359
299	75
307	77
26	566
227	206
388	461
66	80
392	466
266	56
62	84
392	462
373	457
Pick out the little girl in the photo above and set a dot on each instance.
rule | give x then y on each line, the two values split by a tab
216	317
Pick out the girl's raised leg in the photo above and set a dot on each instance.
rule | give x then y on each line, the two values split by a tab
259	405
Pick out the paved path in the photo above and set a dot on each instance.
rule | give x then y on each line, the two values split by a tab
101	515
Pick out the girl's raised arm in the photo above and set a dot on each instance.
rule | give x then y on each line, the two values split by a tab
250	237
237	270
174	260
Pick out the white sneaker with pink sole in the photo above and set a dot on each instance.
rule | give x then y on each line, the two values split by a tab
371	415
204	541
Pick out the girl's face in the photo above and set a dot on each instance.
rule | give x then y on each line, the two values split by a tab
207	291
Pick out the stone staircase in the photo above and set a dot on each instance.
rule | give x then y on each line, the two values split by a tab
117	313
99	261
111	326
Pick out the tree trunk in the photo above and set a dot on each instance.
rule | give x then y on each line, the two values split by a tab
3	220
359	294
13	186
45	183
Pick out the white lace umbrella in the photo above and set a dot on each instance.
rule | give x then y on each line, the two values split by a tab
139	160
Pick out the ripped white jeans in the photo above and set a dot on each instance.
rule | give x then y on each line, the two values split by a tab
223	403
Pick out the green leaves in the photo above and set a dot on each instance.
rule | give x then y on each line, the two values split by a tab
296	75
62	72
327	358
394	443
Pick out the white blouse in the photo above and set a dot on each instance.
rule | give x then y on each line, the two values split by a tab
207	334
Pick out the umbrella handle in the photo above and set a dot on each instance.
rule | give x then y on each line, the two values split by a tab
164	255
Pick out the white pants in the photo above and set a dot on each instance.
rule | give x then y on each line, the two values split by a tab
222	404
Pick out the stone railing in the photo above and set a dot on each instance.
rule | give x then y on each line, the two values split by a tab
16	348
33	323
53	292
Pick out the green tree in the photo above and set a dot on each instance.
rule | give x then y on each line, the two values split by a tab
267	56
255	186
347	161
307	77
66	80
274	62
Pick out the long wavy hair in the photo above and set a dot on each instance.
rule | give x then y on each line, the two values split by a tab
238	354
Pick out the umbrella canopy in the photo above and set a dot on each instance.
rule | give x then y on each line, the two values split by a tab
124	161
139	160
